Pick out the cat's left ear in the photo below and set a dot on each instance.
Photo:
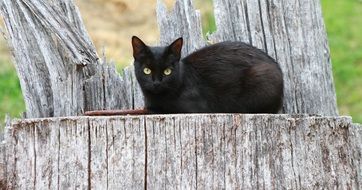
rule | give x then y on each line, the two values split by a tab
176	47
138	46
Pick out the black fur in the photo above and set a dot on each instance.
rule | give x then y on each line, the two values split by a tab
227	77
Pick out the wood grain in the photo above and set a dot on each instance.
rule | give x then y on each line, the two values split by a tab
196	151
116	112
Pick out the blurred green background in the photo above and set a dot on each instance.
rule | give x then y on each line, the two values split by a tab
343	20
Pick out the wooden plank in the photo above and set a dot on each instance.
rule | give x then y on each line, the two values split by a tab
3	165
74	155
230	127
254	22
355	134
282	54
187	125
231	21
266	28
156	153
173	154
335	158
98	161
210	163
136	97
47	154
166	167
5	157
182	21
24	162
9	155
205	156
126	153
114	89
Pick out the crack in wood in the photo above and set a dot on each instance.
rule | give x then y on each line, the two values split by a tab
89	155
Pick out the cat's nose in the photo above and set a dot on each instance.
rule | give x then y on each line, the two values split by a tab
156	84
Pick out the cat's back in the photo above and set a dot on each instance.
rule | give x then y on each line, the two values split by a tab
229	53
228	60
237	77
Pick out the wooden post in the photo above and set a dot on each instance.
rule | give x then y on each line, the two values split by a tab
61	75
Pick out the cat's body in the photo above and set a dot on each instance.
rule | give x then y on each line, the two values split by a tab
228	77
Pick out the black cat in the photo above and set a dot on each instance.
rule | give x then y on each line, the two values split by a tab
227	77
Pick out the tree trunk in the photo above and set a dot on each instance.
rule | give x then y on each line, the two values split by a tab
185	152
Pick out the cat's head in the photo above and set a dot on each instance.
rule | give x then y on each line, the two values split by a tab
157	68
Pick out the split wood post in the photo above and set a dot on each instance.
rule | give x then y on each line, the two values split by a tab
61	75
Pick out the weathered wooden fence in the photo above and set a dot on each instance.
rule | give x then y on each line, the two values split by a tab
61	75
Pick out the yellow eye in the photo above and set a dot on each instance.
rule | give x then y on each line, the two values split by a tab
147	70
167	71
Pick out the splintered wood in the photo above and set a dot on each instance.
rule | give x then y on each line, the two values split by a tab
184	152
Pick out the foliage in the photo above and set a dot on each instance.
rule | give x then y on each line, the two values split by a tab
344	26
11	100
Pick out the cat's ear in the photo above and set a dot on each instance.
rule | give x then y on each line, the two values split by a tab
176	47
138	46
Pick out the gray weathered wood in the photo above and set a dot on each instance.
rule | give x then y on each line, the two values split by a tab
183	21
185	152
3	171
46	170
356	142
73	154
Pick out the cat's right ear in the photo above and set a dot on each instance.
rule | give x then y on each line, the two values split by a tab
139	46
176	47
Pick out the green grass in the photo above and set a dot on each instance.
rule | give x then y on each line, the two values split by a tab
207	15
11	100
343	20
